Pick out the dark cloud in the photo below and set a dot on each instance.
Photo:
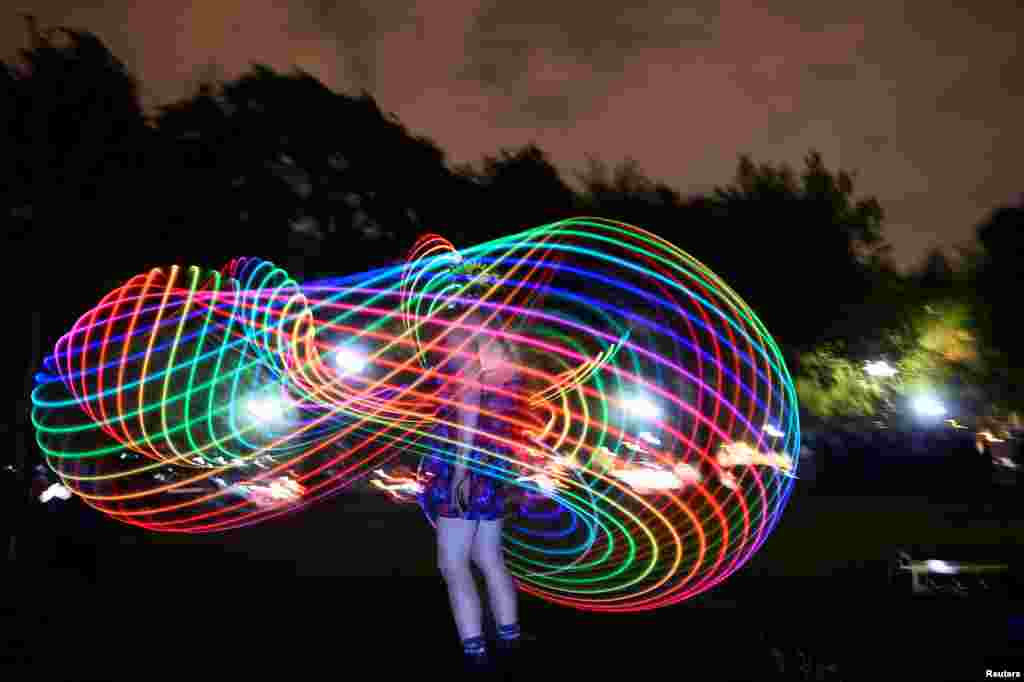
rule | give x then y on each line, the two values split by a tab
833	72
505	32
971	92
361	69
592	41
355	27
924	98
876	143
557	112
1010	78
552	112
813	16
486	74
553	109
782	126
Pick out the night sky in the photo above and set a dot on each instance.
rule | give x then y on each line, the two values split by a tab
925	100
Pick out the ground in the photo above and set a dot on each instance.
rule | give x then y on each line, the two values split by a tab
351	583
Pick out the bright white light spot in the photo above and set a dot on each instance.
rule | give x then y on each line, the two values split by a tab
55	490
880	369
649	479
939	566
642	407
650	438
545	483
265	408
687	473
349	361
398	489
541	480
772	431
928	406
285	488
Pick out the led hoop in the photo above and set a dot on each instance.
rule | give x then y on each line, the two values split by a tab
660	411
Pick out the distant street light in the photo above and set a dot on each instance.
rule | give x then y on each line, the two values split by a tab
880	369
928	406
55	490
939	566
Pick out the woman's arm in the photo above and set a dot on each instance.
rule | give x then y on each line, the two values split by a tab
465	392
467	413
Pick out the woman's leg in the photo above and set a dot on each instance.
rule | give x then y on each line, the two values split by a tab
454	545
487	555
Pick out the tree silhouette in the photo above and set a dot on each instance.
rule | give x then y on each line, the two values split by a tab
937	274
75	163
75	121
512	191
15	211
770	234
997	275
288	156
626	194
74	130
773	234
214	162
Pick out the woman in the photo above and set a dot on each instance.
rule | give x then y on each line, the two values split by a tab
466	497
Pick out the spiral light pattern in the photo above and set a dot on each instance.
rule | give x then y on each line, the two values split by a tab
657	430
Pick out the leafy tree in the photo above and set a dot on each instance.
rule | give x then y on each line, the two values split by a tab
937	276
994	275
940	353
511	191
293	162
74	136
773	233
935	353
831	385
217	160
74	199
73	115
625	193
998	273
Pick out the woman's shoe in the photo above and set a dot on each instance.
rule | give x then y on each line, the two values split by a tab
474	652
478	659
515	644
